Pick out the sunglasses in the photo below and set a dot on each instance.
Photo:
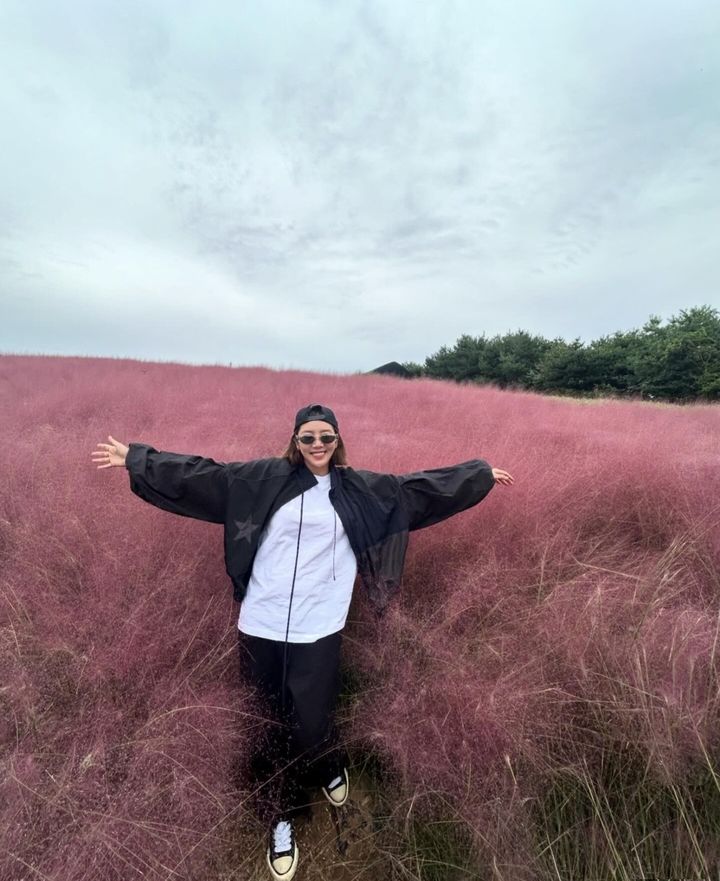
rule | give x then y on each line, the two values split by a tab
308	439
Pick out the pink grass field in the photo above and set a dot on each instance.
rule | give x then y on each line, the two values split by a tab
570	616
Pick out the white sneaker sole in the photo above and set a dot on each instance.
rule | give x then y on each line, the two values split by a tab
290	872
333	802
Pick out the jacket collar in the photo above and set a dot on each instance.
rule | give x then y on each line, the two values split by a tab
307	479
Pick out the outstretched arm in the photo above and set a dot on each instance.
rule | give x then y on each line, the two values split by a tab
434	495
192	486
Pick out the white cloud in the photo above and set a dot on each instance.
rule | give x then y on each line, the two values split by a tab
385	177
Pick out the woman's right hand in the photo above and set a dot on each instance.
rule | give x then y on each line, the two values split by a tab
110	454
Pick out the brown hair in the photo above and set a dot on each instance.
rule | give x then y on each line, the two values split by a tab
295	457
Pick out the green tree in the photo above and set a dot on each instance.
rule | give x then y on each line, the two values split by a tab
512	359
565	367
459	363
413	368
678	360
612	362
682	358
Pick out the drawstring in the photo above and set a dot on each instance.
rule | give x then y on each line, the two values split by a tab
334	532
292	591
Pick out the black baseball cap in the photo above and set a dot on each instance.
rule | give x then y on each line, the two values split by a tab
313	412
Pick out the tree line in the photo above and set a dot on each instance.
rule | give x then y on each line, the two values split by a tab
678	360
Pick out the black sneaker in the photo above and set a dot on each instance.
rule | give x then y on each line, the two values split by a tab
338	790
282	852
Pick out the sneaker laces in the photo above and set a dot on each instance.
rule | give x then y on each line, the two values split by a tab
282	836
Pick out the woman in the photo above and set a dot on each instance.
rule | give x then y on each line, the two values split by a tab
298	529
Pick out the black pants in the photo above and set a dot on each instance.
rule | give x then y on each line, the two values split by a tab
299	748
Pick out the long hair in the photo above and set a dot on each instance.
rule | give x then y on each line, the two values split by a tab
295	457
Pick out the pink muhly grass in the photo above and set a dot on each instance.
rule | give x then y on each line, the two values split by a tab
568	617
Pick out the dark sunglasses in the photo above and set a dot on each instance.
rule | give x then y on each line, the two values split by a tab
308	439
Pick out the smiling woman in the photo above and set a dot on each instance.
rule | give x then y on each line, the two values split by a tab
318	443
298	529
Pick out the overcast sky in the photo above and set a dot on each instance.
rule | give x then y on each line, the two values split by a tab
332	185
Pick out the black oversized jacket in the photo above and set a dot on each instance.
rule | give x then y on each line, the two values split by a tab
377	510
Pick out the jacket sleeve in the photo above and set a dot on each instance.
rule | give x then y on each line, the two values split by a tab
191	486
431	496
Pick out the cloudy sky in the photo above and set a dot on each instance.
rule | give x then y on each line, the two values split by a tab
333	184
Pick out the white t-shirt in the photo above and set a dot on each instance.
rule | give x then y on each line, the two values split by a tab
326	572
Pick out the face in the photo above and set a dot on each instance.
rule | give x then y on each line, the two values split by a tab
317	455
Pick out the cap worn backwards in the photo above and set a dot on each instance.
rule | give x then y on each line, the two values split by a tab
313	412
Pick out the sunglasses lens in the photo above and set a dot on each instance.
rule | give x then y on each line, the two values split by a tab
308	439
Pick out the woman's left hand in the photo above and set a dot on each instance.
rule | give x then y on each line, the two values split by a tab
502	477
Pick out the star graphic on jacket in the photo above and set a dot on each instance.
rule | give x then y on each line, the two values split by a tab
245	529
